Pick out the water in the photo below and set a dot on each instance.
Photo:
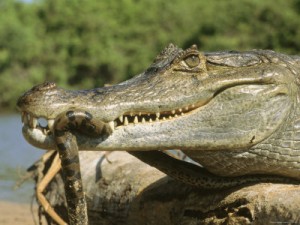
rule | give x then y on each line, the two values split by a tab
16	155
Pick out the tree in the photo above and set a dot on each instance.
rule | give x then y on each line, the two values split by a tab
85	45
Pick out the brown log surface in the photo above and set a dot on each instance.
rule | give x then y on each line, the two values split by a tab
122	190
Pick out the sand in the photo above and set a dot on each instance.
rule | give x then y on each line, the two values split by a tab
18	214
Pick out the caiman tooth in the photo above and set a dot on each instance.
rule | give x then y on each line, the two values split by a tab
51	124
121	119
25	119
135	121
112	125
150	120
23	115
157	114
34	122
173	111
143	120
125	121
164	118
45	131
28	120
180	110
186	108
31	119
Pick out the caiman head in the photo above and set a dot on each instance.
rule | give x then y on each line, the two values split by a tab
185	100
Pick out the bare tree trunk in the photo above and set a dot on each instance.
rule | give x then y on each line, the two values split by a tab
123	190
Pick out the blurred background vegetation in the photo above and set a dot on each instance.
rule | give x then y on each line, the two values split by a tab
85	44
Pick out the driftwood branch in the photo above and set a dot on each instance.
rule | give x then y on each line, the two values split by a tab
122	190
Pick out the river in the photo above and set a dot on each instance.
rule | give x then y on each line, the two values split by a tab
15	156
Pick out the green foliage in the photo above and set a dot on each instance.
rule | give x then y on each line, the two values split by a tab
85	44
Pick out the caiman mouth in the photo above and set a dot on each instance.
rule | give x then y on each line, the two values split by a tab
43	124
127	119
142	117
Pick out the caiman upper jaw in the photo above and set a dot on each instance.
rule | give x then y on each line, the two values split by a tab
46	125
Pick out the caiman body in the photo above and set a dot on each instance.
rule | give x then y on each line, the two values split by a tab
235	113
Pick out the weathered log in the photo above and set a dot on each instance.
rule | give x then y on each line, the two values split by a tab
122	190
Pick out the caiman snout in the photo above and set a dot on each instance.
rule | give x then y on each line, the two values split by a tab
34	92
29	104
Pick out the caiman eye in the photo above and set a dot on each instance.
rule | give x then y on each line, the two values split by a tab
192	61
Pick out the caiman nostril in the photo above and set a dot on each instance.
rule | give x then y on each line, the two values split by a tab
32	94
44	86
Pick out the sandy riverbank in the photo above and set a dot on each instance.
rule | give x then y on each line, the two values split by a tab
18	213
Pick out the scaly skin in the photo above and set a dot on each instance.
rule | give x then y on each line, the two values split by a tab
236	113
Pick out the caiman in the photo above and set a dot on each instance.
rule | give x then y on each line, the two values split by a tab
235	113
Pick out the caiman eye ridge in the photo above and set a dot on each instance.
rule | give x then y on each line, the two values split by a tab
131	118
